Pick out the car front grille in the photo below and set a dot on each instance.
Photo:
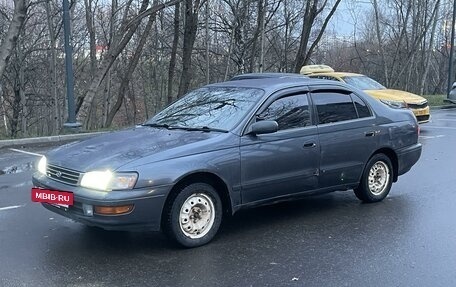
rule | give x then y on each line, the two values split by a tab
418	106
63	175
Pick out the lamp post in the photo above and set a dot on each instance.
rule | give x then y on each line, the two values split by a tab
71	121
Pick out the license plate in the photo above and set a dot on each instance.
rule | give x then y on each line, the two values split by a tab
420	112
54	197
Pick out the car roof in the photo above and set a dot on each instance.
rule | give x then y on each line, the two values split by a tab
274	84
266	75
336	74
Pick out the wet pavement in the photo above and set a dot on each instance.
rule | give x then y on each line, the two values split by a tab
409	239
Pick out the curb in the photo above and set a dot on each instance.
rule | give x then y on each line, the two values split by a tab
444	107
49	139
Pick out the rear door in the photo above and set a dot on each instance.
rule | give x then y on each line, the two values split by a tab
347	135
284	162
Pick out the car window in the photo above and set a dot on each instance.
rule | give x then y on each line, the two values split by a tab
361	107
324	77
363	83
289	112
334	107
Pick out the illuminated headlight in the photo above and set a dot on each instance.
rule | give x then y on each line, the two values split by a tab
395	104
42	165
108	180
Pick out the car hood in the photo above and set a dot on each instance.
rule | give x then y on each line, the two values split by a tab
396	95
113	150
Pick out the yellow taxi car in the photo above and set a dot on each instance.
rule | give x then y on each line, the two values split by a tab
393	98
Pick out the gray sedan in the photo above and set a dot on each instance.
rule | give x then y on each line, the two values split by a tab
229	146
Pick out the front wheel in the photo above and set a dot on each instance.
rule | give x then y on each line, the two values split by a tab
193	215
376	180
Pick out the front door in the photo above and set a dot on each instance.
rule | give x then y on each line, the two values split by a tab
284	162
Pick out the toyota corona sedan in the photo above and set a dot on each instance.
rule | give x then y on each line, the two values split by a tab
226	147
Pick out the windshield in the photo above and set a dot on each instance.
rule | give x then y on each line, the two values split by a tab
213	107
363	83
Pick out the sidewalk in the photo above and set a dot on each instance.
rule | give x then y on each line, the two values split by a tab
44	140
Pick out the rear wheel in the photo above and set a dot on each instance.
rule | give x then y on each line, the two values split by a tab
376	180
193	215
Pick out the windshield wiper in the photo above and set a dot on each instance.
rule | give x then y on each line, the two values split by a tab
153	125
202	129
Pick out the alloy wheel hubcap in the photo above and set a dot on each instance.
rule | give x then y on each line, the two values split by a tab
379	176
197	215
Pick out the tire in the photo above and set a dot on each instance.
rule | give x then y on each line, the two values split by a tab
193	215
376	180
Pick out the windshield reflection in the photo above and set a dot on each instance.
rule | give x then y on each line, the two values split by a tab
211	107
363	83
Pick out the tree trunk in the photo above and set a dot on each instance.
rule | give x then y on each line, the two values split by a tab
428	54
379	42
415	46
309	17
207	44
320	34
311	12
190	29
258	30
130	70
91	30
9	42
53	67
172	61
2	103
127	32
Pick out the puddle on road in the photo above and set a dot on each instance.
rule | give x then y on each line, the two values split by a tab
17	168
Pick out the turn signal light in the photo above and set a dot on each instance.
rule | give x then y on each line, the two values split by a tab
113	210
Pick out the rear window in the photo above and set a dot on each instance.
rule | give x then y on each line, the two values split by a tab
334	106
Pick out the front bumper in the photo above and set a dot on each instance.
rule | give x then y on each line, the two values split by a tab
146	214
422	115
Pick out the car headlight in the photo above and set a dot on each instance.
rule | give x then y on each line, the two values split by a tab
395	104
42	165
108	180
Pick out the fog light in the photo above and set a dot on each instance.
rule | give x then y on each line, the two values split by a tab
88	209
113	210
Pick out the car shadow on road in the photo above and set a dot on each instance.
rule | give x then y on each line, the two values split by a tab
335	221
328	211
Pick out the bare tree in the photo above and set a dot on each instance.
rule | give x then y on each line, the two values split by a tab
192	8
172	61
129	72
124	34
311	11
9	43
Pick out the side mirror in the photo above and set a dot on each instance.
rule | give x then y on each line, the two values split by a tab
264	127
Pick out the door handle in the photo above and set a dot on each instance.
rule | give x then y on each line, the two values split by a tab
371	133
310	144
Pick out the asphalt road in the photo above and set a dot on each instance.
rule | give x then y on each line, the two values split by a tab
409	239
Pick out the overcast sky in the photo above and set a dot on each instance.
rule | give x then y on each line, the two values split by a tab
348	14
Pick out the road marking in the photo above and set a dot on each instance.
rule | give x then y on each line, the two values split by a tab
445	119
10	207
434	127
432	137
22	184
26	152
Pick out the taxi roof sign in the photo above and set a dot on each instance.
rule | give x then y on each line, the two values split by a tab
311	69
